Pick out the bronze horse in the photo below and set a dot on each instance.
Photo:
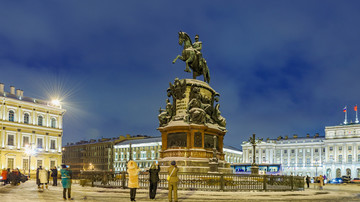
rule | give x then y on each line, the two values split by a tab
192	59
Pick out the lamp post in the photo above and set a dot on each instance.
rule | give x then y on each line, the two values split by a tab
30	151
254	167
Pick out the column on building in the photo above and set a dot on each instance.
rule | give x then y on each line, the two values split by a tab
312	157
281	156
3	137
18	136
296	158
304	159
289	159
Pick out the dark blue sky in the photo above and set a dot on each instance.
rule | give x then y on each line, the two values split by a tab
281	67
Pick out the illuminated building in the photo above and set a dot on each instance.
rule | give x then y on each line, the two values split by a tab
31	131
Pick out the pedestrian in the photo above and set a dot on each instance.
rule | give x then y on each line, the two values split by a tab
173	180
154	179
66	176
8	176
37	176
54	175
133	170
4	176
308	181
43	178
321	182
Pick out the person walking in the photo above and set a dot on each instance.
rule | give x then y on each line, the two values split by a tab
54	174
154	179
4	176
173	180
321	182
308	181
133	170
66	176
43	178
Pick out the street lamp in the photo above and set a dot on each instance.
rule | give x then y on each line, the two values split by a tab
30	151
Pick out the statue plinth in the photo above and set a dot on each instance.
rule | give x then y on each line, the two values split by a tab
254	169
188	127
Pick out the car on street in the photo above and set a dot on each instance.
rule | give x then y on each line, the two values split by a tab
355	180
337	180
1	178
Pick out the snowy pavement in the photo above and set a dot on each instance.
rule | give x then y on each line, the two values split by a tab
29	192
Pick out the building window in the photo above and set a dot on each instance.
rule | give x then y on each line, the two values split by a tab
349	148
264	151
300	150
52	144
316	150
53	123
340	158
10	163
308	161
11	140
331	158
39	163
331	148
26	118
11	115
40	120
285	151
349	158
40	143
26	164
292	151
300	162
340	148
26	141
323	150
358	157
52	164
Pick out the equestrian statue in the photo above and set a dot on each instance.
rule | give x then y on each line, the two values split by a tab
192	56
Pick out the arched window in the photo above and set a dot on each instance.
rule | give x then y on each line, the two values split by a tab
26	118
40	120
53	123
338	172
11	115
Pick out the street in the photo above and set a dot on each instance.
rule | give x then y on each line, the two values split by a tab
29	192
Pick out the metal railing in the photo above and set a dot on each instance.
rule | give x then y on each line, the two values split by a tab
202	181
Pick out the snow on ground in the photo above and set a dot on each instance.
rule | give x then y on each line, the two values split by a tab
29	192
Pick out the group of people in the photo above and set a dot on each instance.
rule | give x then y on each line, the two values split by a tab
133	171
13	177
319	180
42	178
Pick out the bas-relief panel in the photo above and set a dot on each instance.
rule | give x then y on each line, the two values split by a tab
176	140
197	139
209	142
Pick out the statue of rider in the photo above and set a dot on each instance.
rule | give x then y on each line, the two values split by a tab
197	45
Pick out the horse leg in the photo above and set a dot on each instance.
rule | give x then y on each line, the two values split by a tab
187	69
177	57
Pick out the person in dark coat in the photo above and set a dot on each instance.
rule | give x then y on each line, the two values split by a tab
54	174
37	176
154	179
308	181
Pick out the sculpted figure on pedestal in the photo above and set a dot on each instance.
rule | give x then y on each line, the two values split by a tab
178	89
166	114
196	112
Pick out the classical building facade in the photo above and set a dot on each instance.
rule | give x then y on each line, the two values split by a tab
93	154
334	155
145	151
31	131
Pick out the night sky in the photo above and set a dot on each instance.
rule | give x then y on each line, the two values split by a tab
281	67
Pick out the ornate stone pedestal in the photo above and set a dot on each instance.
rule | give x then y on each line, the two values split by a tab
254	169
188	127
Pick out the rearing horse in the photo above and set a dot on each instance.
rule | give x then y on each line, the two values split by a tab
192	59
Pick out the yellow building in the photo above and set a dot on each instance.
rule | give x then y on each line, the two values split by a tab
31	131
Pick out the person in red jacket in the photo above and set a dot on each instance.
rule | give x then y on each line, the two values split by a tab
4	176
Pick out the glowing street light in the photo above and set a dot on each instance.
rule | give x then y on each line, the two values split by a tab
56	102
30	151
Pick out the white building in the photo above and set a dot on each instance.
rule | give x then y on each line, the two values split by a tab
335	155
146	151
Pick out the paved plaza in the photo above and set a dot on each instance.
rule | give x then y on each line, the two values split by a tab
28	192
